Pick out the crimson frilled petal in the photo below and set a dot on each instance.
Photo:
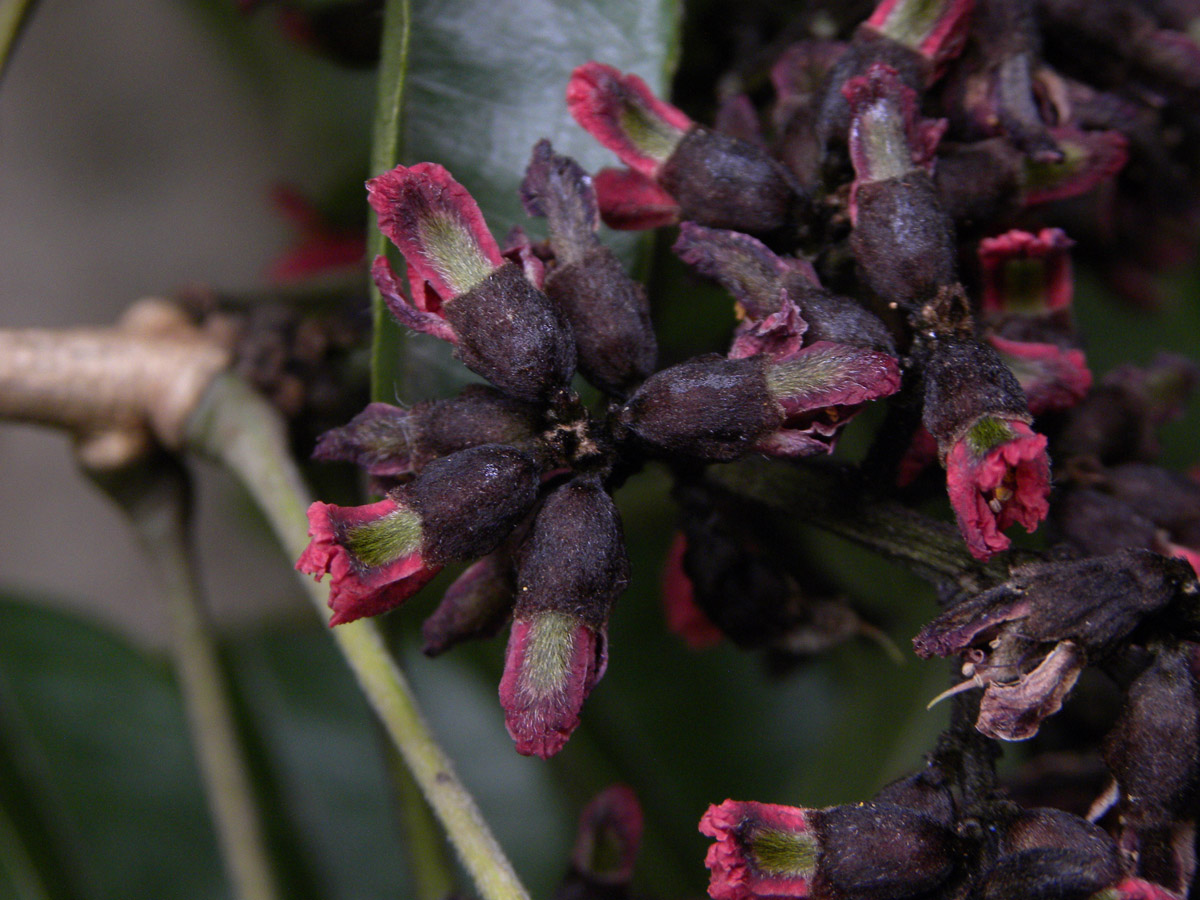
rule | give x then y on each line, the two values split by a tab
780	335
1025	272
819	389
683	616
356	588
1052	377
831	374
552	663
419	317
437	225
631	201
622	113
762	850
993	488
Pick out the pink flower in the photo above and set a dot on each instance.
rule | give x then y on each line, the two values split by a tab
553	662
997	474
1027	273
622	113
761	850
372	553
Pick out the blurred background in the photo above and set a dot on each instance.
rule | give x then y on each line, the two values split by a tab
140	142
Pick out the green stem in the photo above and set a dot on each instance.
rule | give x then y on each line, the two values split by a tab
155	496
237	427
433	877
13	15
385	155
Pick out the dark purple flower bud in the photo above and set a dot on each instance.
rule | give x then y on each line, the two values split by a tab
388	441
608	311
904	240
979	183
1026	641
1049	854
1098	523
717	409
1119	420
833	112
459	507
861	852
1153	750
502	327
798	77
997	471
715	179
476	605
992	90
571	568
606	847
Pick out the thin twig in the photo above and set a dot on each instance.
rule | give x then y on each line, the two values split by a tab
237	427
155	496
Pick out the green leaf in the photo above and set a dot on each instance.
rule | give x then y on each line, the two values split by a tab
108	789
474	86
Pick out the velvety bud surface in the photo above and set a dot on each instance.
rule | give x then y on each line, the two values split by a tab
871	851
722	182
761	850
513	335
610	316
1153	751
469	501
903	240
709	407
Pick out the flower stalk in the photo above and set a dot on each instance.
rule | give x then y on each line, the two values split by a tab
238	428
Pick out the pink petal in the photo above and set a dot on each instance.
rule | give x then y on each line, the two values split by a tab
606	103
1022	465
437	225
631	201
683	616
549	670
1023	271
356	589
736	872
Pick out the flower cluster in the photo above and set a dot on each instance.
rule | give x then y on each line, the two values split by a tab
901	233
